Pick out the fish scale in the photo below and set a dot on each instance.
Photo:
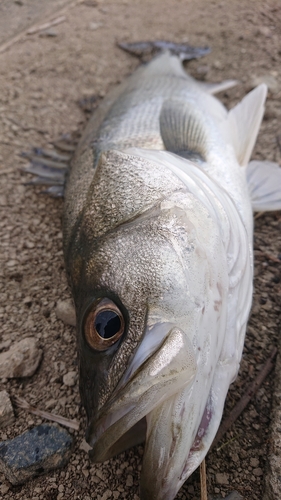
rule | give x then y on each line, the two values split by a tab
134	119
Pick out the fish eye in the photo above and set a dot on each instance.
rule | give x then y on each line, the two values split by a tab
104	325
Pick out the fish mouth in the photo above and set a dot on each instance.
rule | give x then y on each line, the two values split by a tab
121	423
132	437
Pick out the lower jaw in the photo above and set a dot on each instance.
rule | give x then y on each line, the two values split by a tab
134	436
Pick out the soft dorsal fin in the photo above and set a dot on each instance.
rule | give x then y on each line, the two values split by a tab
244	122
183	130
215	88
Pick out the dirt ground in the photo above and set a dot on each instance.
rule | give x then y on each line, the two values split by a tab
43	75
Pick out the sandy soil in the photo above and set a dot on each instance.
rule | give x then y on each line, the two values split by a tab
41	80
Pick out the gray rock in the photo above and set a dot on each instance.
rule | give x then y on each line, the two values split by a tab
65	311
21	360
7	416
35	452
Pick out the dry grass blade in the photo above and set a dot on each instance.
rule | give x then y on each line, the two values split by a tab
203	480
21	403
272	258
45	26
258	215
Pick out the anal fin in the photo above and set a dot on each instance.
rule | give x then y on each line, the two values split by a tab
264	183
243	123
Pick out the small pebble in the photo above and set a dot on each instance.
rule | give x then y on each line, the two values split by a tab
12	263
94	26
258	472
21	360
222	478
129	480
107	494
65	311
234	495
70	378
271	81
7	416
254	462
265	31
85	446
218	65
4	489
35	452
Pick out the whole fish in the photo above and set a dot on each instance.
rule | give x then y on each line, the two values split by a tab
158	233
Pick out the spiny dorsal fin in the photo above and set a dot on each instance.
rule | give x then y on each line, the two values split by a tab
243	123
183	130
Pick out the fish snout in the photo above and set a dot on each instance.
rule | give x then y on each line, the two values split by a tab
122	423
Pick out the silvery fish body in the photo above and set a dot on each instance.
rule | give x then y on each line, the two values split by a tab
158	249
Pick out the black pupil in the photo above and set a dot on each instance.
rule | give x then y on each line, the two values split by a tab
107	324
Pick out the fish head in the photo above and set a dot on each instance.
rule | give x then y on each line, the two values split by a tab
147	296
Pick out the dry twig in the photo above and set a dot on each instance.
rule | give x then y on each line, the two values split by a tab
45	26
203	480
271	257
245	399
21	403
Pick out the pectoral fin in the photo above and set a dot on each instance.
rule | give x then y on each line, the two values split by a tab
50	169
183	130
